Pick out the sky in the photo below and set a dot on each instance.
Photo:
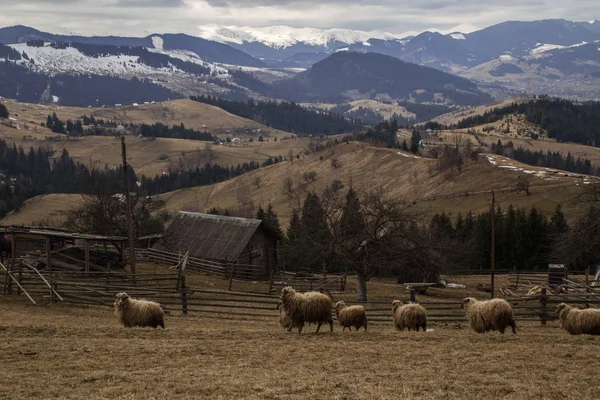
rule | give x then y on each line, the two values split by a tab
143	17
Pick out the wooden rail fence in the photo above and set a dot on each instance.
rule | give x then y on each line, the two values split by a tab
99	289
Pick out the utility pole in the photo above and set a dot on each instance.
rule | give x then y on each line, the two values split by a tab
129	213
492	213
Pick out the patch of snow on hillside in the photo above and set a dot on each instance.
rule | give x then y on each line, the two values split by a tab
284	36
342	49
542	48
157	42
407	155
367	44
55	99
506	57
53	61
191	57
458	36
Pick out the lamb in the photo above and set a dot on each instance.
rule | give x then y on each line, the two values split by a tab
306	307
353	316
577	321
412	316
489	315
132	312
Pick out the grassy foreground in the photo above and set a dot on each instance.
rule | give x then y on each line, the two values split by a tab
66	352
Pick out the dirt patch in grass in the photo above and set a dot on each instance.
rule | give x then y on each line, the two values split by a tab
59	352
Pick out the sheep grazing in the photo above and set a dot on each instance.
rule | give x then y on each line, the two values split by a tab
412	316
306	308
577	321
353	316
489	315
132	312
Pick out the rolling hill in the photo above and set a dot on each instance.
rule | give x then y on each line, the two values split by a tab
150	157
414	180
349	75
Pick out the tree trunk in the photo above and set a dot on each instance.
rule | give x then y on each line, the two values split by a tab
362	287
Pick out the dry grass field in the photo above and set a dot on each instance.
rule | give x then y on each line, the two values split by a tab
191	113
69	352
151	157
415	180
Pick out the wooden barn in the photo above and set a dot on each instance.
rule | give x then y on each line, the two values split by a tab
222	239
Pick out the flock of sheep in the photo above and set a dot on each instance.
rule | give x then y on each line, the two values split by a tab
297	309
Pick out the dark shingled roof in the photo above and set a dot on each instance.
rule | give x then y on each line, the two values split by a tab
207	236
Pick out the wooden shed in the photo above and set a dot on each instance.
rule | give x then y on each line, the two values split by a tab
222	239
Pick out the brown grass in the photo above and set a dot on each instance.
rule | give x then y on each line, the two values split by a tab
191	113
65	352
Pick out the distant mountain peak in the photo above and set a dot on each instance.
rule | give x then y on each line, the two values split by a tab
282	36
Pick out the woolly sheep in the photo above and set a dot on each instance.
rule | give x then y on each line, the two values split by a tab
132	312
489	315
353	316
306	308
577	321
412	316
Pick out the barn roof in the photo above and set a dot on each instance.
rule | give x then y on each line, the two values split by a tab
213	237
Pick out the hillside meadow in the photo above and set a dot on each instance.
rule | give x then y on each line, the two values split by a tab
71	352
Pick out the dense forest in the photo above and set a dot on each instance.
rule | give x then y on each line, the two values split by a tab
524	238
27	174
564	120
289	117
549	159
176	132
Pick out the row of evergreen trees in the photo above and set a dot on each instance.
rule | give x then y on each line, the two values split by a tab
289	117
27	174
549	159
175	132
524	238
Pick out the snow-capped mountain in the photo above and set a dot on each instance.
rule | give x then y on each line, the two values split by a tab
282	37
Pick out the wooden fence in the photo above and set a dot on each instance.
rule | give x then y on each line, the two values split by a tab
244	272
331	284
99	289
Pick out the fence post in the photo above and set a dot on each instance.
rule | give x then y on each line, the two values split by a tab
543	307
20	278
517	285
413	297
52	284
271	282
231	276
184	307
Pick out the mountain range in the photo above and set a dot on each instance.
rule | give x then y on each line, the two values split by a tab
555	57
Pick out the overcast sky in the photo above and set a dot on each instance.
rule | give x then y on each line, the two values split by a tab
141	17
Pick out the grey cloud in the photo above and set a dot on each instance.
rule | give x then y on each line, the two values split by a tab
137	17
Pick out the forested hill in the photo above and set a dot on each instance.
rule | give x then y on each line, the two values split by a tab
289	117
340	75
564	120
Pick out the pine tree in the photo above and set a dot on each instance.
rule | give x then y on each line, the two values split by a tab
49	122
558	221
260	214
272	221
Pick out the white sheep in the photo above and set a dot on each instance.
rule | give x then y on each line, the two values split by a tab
577	321
306	308
353	316
412	316
489	315
132	312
